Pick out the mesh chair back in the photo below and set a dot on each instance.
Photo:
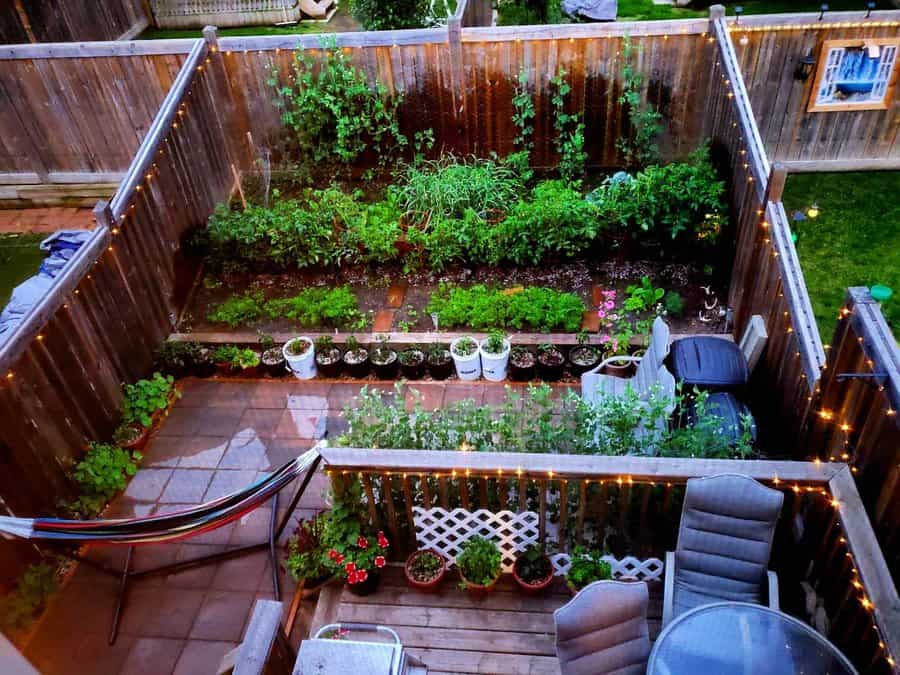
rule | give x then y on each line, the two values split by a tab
603	629
657	351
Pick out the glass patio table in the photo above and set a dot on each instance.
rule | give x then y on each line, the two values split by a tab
740	638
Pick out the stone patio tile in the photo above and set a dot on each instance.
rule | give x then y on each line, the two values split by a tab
200	657
151	611
283	450
151	557
197	578
251	528
431	394
384	319
54	653
222	616
165	451
186	486
260	422
152	656
459	391
197	393
301	424
126	507
216	421
181	421
203	452
244	573
226	481
303	400
219	536
341	395
147	484
270	394
246	452
495	394
231	394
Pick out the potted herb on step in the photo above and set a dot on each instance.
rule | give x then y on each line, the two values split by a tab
466	358
305	559
204	362
272	357
300	356
328	357
384	359
587	567
618	344
533	570
550	363
425	570
494	350
584	356
479	566
176	358
356	359
234	361
521	364
440	361
412	363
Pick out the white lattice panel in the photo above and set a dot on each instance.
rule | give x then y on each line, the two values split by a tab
446	531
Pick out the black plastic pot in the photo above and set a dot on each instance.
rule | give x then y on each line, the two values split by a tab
441	371
414	368
388	370
332	365
582	358
360	369
203	365
273	361
550	364
521	365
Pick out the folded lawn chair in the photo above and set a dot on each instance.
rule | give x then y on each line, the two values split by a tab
173	527
724	542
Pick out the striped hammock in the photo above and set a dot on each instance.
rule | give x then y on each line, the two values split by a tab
167	527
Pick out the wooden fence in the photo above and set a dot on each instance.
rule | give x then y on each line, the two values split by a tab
824	537
817	141
70	20
222	13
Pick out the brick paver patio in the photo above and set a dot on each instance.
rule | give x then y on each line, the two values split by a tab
218	438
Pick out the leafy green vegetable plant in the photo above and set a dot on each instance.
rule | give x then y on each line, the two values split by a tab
643	297
479	562
146	397
673	303
239	310
465	347
587	567
37	583
103	472
319	306
532	565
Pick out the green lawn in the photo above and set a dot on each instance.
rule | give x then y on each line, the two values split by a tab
645	10
341	21
855	240
20	258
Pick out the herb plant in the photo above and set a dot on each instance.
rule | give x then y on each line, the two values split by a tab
587	567
239	310
532	565
37	583
479	561
425	566
643	297
673	303
103	472
465	347
146	397
495	343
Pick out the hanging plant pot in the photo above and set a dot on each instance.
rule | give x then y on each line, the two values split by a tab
466	358
425	570
582	358
521	364
273	361
440	364
299	354
412	363
550	363
328	362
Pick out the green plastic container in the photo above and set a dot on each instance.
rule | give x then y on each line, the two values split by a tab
881	293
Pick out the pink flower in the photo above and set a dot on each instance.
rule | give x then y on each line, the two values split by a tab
604	339
380	561
609	304
601	314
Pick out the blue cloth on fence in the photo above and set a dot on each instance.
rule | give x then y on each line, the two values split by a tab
61	247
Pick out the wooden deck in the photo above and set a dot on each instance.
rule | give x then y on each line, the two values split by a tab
451	632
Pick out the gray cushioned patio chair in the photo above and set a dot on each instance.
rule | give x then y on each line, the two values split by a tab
724	542
650	371
603	629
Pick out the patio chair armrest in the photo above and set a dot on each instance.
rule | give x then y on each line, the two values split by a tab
613	359
773	589
668	588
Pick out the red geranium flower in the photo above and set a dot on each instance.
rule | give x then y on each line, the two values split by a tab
362	575
350	567
380	561
362	542
382	541
339	558
353	578
332	554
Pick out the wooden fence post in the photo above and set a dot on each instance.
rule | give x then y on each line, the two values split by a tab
775	183
715	12
457	71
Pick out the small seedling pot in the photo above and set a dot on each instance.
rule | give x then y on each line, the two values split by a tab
582	358
356	363
303	366
550	364
425	586
387	370
414	368
138	440
494	366
273	362
467	367
329	363
204	366
534	588
442	370
521	366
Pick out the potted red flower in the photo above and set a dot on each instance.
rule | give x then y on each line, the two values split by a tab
359	561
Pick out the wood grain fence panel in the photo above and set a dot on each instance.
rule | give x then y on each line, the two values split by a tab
77	20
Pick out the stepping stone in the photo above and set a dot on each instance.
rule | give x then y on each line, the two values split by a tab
384	319
396	295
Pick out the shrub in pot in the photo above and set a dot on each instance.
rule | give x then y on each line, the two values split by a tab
479	565
146	400
328	357
204	362
583	356
425	570
412	363
356	359
300	357
352	554
176	358
494	351
587	567
466	358
550	362
272	358
384	360
305	555
232	360
521	364
533	570
618	344
440	361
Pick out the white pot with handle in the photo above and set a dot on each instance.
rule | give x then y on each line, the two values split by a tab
493	364
468	364
300	357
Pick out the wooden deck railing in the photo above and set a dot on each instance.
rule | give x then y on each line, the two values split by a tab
824	537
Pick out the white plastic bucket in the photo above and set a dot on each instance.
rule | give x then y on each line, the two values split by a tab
467	367
303	366
494	365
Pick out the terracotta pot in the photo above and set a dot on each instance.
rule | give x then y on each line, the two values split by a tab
479	590
138	442
619	369
425	586
367	587
533	588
